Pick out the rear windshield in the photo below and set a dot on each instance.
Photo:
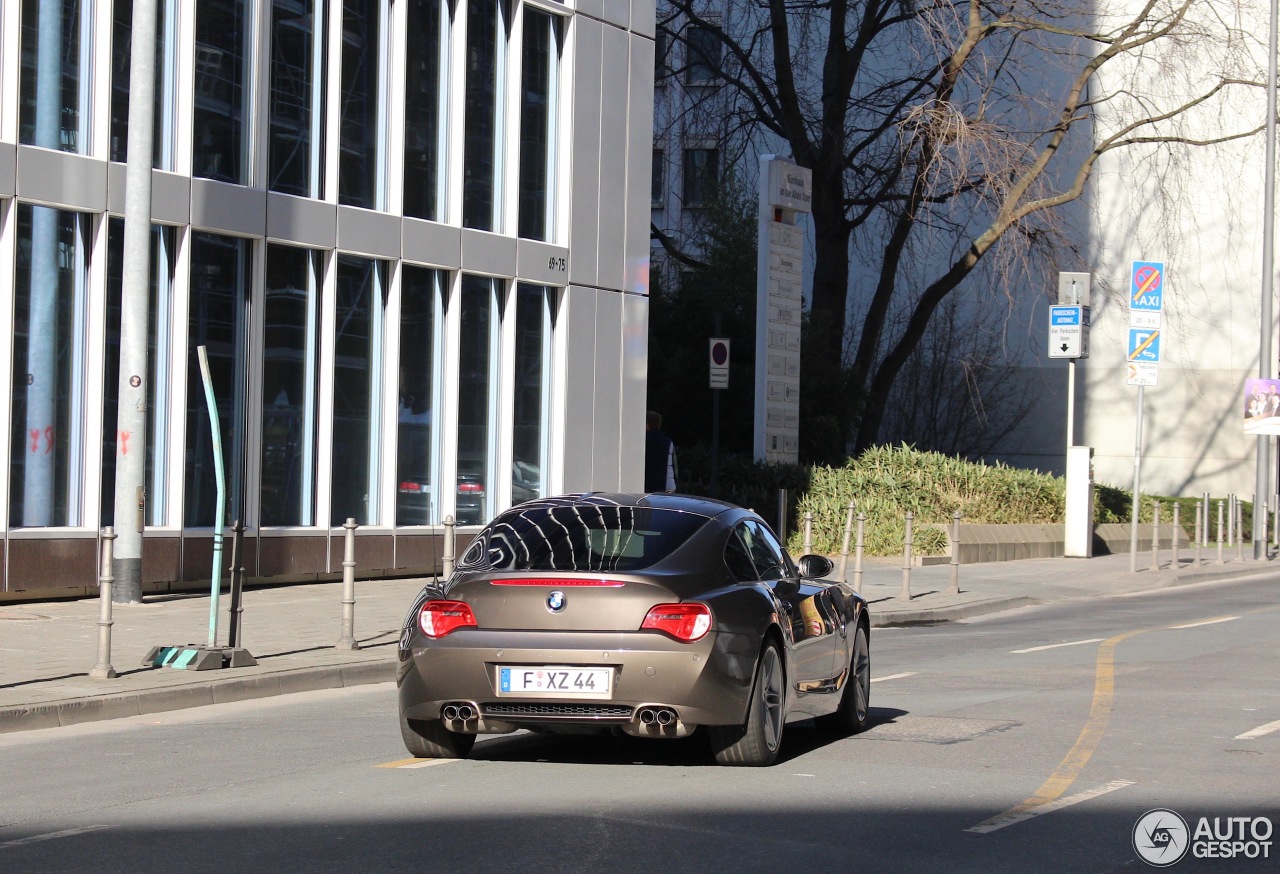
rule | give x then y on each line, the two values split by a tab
580	537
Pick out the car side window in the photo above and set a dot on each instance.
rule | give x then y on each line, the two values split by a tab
765	552
738	559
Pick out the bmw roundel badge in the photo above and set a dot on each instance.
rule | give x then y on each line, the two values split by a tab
556	602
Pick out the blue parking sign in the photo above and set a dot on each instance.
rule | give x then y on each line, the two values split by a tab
1144	345
1146	286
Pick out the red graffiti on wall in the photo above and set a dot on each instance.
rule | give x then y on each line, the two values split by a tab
48	440
123	437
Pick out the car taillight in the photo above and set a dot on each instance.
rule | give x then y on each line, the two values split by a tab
561	582
408	486
686	622
438	618
471	488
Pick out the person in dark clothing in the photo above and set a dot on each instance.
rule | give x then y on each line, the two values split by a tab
659	456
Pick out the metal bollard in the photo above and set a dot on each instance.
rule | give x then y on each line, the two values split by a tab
1208	522
348	639
237	585
1199	533
1155	535
1220	558
844	545
808	534
857	556
1174	561
782	515
905	594
1240	530
103	670
955	553
1231	520
450	541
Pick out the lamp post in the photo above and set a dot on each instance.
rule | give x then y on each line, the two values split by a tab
1263	484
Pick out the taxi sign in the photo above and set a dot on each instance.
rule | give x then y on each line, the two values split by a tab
1146	294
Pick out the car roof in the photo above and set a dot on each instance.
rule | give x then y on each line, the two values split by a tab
708	507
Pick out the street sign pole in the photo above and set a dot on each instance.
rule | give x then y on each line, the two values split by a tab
1137	480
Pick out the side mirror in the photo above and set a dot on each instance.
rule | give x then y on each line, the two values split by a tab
815	566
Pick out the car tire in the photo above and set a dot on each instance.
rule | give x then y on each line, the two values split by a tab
429	739
757	742
855	703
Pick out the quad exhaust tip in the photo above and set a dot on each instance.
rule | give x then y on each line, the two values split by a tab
659	715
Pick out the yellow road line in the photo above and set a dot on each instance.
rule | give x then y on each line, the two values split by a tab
1071	766
414	763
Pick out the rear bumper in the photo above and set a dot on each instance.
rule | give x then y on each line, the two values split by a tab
707	682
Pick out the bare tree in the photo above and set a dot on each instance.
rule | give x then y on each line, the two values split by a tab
944	132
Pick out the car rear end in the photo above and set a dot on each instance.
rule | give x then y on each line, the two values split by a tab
562	617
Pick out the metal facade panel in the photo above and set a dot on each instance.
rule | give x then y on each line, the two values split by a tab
606	451
635	388
367	232
218	206
584	238
542	263
613	160
62	179
8	169
302	220
639	166
483	252
579	325
431	243
644	15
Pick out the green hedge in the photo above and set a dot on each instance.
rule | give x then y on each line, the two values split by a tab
887	481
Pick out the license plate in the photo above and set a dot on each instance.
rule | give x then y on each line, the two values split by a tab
555	680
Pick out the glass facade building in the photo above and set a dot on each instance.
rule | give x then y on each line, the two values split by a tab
411	239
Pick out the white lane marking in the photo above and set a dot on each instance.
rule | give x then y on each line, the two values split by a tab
71	832
1000	822
1205	622
1055	646
1260	731
893	677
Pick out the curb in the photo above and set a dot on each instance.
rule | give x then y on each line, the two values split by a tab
939	615
72	711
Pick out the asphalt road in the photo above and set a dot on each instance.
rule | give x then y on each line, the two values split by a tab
1029	741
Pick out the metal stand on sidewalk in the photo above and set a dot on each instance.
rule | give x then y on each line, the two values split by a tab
955	553
348	640
844	545
103	670
905	594
210	656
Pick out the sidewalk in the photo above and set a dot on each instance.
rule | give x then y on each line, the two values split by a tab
47	649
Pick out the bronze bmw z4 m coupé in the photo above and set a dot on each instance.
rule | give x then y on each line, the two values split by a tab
653	615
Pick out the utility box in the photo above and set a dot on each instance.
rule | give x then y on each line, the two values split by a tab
1078	535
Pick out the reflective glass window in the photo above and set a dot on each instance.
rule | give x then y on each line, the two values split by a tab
121	51
290	356
47	394
532	369
540	77
486	59
159	309
220	282
703	52
424	109
54	111
417	462
222	39
357	389
297	94
738	560
701	176
477	363
359	161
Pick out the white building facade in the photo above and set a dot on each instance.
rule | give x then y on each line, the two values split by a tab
411	236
